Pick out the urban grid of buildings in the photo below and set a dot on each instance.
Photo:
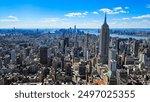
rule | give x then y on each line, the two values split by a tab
72	57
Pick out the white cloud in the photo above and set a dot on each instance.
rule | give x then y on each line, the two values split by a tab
96	13
122	11
10	19
85	13
142	16
126	7
115	10
119	19
76	14
73	14
146	16
49	20
108	11
148	6
126	18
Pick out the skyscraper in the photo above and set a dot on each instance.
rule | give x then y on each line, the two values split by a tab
13	56
104	42
86	50
43	55
1	64
75	29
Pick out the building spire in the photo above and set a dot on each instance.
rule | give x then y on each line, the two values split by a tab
105	21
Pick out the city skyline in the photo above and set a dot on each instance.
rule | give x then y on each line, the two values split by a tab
74	57
65	14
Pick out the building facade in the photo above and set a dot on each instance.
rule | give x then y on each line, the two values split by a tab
104	42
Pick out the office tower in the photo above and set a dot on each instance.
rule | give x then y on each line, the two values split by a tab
65	45
19	59
82	70
104	42
37	31
112	54
14	31
86	47
61	46
66	42
43	55
76	44
75	29
27	51
121	76
129	60
6	59
112	57
13	56
127	48
1	64
68	70
117	45
113	67
143	58
135	48
49	52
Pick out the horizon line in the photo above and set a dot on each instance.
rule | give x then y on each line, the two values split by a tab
79	28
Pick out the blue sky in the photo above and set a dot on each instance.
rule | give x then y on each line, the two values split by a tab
67	13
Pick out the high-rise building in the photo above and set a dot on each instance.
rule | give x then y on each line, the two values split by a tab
86	48
112	57
112	54
13	56
66	42
135	48
6	59
104	42
82	70
113	67
75	29
1	62
143	58
43	54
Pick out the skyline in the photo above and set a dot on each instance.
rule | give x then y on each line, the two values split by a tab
65	14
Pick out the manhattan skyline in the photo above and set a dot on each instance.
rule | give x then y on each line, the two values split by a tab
65	13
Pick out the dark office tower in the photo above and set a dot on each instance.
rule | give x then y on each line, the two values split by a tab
37	31
68	70
135	48
82	70
66	42
117	45
43	55
86	47
76	44
27	51
87	40
1	62
104	42
14	31
75	29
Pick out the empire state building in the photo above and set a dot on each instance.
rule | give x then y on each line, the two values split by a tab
104	42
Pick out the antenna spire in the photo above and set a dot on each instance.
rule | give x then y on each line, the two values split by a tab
105	21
